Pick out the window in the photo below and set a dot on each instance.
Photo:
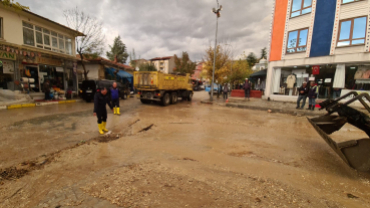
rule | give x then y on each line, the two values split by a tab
352	31
1	28
46	39
349	1
297	41
300	7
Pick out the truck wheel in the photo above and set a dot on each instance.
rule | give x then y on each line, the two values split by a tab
166	99
190	96
174	98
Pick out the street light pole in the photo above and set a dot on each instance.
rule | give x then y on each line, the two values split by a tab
218	15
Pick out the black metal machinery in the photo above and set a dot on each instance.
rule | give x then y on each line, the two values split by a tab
356	153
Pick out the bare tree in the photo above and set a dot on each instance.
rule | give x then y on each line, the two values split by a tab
91	45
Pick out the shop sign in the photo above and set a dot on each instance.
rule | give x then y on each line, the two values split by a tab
8	55
48	61
8	67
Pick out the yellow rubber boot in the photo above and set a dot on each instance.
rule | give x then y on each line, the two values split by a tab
103	124
118	113
114	110
100	129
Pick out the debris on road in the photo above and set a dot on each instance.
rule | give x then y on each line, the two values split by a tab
147	128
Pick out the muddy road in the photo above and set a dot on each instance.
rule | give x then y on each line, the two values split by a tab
186	155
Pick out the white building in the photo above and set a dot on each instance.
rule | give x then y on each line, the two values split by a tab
322	40
164	64
34	47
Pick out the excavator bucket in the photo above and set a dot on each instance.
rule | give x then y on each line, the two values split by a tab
356	153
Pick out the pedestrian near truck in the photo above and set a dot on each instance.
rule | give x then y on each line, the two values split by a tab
247	89
312	95
100	110
303	92
115	99
225	91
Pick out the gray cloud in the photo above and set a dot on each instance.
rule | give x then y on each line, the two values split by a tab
166	27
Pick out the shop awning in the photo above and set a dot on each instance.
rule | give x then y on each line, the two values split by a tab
120	74
124	74
261	73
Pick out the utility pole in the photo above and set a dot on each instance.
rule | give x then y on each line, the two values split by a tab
218	15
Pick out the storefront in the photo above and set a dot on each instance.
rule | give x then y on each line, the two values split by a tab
333	80
7	66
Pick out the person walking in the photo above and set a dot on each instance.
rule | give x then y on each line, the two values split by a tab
46	87
312	95
226	91
100	111
303	92
247	89
115	99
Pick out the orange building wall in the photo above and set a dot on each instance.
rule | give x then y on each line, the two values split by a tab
278	30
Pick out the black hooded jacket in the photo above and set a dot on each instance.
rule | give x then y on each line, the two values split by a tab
100	101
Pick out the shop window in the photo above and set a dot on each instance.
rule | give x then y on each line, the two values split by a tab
352	31
297	41
1	28
349	1
300	7
46	39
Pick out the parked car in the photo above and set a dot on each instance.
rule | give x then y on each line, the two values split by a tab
215	89
196	84
89	88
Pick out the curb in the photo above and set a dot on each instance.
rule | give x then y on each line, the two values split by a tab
37	104
274	110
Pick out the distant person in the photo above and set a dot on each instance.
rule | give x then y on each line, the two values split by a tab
100	111
47	89
115	99
312	95
247	89
303	92
226	91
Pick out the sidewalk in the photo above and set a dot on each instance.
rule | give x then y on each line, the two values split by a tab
264	105
37	104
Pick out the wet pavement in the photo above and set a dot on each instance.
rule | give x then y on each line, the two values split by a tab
184	155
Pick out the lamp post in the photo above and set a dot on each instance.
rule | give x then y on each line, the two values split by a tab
218	15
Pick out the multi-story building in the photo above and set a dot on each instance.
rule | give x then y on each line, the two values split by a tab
322	41
164	64
34	47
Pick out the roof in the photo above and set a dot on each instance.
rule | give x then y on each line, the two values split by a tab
161	58
101	60
77	33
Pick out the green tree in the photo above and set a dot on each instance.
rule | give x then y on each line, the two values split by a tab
15	5
263	53
118	50
147	67
184	64
251	59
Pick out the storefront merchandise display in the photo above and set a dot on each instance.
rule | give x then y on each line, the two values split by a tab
291	79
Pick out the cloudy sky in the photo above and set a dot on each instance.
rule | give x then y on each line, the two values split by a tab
156	28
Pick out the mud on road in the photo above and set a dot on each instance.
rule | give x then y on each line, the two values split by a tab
193	155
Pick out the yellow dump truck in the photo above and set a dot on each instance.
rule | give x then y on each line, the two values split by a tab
165	88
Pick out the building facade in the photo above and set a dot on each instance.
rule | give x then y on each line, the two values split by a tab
321	41
164	64
100	68
37	49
